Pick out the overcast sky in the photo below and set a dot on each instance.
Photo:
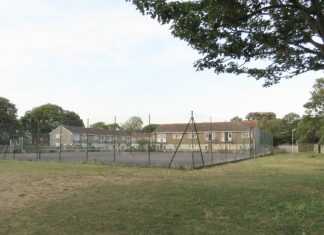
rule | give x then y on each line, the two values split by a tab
103	59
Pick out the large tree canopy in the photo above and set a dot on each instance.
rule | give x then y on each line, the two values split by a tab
47	117
8	114
311	127
260	116
315	106
8	120
231	35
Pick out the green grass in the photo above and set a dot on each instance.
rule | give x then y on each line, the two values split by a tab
281	194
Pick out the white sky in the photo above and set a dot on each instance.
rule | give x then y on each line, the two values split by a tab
103	58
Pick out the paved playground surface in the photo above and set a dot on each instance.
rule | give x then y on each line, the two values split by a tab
161	159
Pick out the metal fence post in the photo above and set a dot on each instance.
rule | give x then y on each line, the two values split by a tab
211	140
115	142
149	143
87	133
236	151
60	151
37	144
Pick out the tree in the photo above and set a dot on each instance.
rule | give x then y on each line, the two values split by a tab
8	120
275	127
311	127
8	113
260	116
231	35
133	124
142	144
236	119
315	106
311	130
289	122
47	117
114	127
150	128
71	118
100	125
267	121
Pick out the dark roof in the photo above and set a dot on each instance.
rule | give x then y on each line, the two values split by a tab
93	131
203	127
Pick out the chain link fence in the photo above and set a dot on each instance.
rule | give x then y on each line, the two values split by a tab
185	149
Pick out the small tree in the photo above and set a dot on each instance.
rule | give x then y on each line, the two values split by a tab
100	125
236	119
150	128
142	144
133	124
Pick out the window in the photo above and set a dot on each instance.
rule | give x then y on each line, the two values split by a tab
227	136
245	135
209	136
161	136
76	138
105	138
192	135
177	136
57	136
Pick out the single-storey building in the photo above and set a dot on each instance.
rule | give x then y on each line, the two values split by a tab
79	137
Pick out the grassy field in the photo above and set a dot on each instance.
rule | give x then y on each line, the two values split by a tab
281	194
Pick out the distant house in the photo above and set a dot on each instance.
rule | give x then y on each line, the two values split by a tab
216	135
80	137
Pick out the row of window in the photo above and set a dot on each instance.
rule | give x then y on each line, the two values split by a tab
161	137
102	138
226	136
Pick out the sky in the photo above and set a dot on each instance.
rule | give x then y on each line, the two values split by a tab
103	59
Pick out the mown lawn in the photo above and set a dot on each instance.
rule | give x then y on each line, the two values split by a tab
281	194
